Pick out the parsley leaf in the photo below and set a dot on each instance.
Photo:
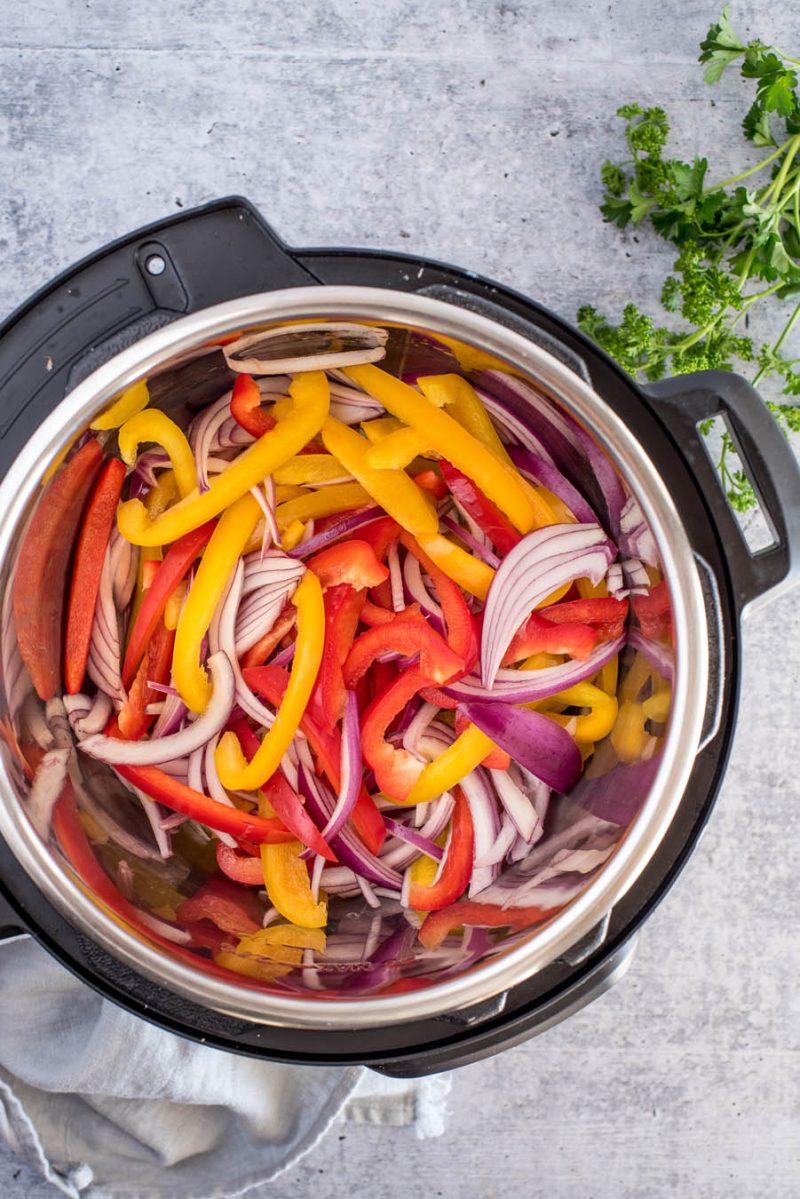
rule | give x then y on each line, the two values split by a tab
720	48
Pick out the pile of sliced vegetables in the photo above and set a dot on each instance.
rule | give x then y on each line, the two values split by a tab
348	634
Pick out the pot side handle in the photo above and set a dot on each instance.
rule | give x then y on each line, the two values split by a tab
179	265
770	463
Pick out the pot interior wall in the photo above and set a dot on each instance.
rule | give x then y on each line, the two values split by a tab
373	948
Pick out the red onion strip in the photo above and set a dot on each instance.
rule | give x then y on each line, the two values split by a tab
350	769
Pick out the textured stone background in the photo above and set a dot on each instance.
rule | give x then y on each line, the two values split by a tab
470	130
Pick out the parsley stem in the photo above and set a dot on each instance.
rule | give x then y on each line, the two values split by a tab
787	328
786	57
759	166
792	146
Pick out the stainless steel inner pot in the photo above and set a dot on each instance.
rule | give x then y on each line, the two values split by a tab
454	981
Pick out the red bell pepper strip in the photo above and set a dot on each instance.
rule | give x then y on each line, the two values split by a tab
227	905
258	654
177	560
380	677
380	533
207	936
133	719
98	519
540	636
343	606
430	482
270	682
41	577
438	662
654	612
241	867
497	758
353	562
178	797
605	614
438	924
494	523
395	769
456	869
286	803
246	407
462	635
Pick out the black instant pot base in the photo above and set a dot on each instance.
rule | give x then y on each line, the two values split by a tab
221	252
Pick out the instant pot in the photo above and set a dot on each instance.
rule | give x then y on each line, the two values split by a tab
151	305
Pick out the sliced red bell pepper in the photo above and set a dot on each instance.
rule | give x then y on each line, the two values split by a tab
133	719
229	906
270	682
380	677
353	562
90	552
178	797
258	654
431	483
382	596
540	636
167	574
395	769
286	803
41	575
654	612
467	912
380	533
207	936
494	523
372	615
343	605
497	758
246	407
456	869
462	636
605	614
438	662
241	867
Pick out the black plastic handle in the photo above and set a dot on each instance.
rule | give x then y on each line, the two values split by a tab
176	266
770	463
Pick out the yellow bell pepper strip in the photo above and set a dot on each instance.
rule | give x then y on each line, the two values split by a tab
289	491
257	968
310	397
608	678
459	565
375	430
450	766
500	483
464	405
154	425
397	450
235	772
656	707
629	737
218	561
339	497
289	887
602	716
396	493
310	468
291	934
292	535
132	400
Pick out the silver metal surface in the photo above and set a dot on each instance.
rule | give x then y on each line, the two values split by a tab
688	699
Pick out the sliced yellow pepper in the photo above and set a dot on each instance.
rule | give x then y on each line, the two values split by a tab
219	559
639	673
339	497
310	396
397	450
608	678
450	766
599	722
498	481
154	425
656	708
629	737
309	468
292	535
132	400
252	967
235	772
291	934
396	493
375	430
464	405
172	611
160	497
289	491
465	569
589	590
289	887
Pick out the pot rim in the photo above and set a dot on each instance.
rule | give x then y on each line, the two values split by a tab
637	845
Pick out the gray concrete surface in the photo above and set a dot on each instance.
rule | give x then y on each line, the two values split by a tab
473	131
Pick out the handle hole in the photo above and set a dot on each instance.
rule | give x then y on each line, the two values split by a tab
718	435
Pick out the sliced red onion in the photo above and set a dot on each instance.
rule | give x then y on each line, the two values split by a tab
124	565
16	680
658	655
503	842
615	581
485	824
169	932
271	532
334	531
636	576
351	406
143	475
202	435
527	686
400	856
367	892
521	811
416	728
104	664
395	578
176	745
155	815
88	716
418	592
348	849
319	346
48	783
316	875
171	717
245	698
413	837
550	477
538	744
350	769
541	562
478	548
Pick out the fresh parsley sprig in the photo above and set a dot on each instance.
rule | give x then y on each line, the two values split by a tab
738	240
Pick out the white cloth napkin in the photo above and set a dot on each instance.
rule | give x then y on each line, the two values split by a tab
106	1105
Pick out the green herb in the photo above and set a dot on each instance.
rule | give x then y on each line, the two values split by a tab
738	240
